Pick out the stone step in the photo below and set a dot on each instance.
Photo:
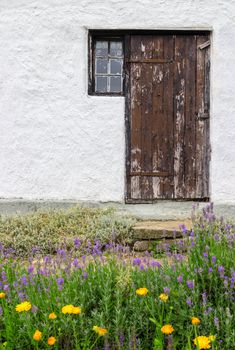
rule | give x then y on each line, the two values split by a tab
158	230
144	245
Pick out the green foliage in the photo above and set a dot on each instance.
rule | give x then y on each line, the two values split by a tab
200	284
48	230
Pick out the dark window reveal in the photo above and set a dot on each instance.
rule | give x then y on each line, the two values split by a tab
107	75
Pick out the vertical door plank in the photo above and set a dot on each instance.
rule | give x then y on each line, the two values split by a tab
146	115
190	118
136	126
127	89
179	116
207	155
202	125
158	121
168	117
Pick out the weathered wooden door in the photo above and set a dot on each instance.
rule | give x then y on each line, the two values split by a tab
167	117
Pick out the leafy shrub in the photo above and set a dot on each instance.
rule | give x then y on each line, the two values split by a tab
45	231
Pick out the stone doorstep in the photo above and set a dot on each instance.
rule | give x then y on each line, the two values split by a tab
157	230
141	246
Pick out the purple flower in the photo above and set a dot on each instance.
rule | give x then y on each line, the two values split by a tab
4	276
183	228
85	275
142	267
208	311
30	269
189	302
190	284
180	279
204	298
35	250
213	259
193	244
221	270
192	234
46	259
21	295
24	280
121	339
166	290
205	254
75	262
210	270
60	281
77	243
61	252
155	263
136	261
6	288
216	322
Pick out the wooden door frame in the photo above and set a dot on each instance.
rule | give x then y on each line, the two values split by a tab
127	35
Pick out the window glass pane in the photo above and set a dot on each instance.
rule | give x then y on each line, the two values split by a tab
116	66
101	48
116	84
116	48
101	66
101	84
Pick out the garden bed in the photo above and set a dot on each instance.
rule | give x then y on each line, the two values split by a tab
86	297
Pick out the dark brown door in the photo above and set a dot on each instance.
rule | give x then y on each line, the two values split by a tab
167	117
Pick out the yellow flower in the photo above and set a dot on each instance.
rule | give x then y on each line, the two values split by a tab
167	329
2	295
67	309
195	321
203	342
51	341
70	309
212	338
25	306
100	331
163	297
37	335
76	310
142	291
52	316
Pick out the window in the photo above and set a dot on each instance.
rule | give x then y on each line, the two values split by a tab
107	66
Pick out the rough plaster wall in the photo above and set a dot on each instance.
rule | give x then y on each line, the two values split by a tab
58	142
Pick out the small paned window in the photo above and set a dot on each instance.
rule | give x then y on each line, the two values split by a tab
107	66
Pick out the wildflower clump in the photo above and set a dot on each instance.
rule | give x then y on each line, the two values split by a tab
163	297
24	306
202	342
51	341
142	291
195	321
167	329
100	331
37	335
70	309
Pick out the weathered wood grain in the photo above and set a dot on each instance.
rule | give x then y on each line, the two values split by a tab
179	116
202	125
169	100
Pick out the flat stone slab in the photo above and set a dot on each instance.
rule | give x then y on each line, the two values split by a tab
141	246
158	230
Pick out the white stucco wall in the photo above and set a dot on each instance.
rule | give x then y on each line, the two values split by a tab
58	142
